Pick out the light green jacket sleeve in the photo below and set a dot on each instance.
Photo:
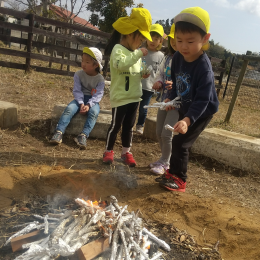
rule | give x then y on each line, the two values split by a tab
123	61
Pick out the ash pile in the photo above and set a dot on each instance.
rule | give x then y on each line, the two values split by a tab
92	231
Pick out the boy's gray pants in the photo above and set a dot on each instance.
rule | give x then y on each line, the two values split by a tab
165	136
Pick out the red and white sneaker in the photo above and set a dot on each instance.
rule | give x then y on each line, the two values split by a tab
172	182
108	157
128	159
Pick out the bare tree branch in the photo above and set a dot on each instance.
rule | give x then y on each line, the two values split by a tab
15	5
71	7
28	4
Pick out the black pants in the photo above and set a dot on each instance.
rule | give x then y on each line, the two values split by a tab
180	147
124	115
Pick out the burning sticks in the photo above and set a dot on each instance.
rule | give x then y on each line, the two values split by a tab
93	225
160	242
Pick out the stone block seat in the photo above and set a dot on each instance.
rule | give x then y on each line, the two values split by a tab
8	114
150	128
77	123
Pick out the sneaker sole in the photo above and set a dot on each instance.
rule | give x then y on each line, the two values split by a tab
83	147
107	162
166	187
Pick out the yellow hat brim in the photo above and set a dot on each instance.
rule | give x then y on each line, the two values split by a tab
147	35
123	26
89	52
172	32
171	35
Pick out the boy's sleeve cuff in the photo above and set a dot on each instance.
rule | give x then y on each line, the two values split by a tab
192	119
90	104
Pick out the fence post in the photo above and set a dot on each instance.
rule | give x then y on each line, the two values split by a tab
70	43
236	91
229	73
64	45
29	43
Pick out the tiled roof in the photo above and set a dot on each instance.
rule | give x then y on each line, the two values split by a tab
65	13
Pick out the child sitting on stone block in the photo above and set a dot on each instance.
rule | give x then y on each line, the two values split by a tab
88	90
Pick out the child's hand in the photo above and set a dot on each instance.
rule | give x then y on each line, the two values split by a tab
168	84
168	108
157	85
145	76
83	109
144	51
182	126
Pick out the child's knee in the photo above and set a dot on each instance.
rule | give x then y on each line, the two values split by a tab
68	111
93	112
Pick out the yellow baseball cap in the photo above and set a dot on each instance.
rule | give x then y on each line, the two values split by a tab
139	19
157	28
172	31
95	54
196	16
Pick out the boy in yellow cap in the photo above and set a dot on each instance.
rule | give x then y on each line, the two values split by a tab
125	69
153	58
193	81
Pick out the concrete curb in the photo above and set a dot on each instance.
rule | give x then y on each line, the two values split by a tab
236	150
8	114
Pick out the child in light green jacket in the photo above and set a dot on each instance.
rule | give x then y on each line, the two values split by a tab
126	89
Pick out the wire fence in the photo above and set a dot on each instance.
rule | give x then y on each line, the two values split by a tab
239	110
249	93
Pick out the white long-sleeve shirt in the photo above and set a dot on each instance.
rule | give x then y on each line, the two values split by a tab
153	58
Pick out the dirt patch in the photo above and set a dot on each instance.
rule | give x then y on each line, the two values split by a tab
215	207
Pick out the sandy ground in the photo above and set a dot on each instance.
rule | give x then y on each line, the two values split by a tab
220	203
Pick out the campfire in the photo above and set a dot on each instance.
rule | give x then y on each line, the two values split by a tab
93	229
